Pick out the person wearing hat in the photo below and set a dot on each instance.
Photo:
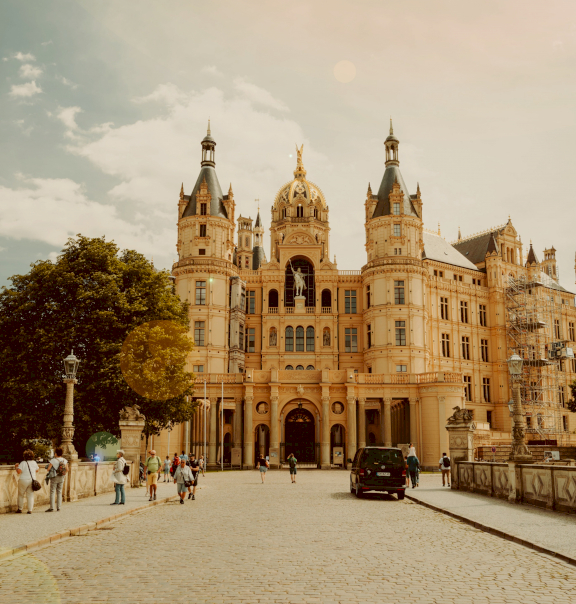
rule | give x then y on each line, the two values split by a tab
153	465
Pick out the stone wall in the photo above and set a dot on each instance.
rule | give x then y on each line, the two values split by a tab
89	478
546	485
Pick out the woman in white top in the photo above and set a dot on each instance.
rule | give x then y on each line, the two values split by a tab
56	480
119	478
27	471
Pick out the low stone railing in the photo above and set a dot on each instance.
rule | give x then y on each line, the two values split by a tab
546	485
88	478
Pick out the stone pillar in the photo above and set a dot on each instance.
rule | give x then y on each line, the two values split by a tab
352	442
361	422
248	462
274	429
460	429
414	423
325	439
238	424
387	421
212	439
131	426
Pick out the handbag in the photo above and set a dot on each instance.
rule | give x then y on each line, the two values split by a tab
36	486
188	483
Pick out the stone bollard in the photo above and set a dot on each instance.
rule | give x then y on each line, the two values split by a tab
131	426
461	440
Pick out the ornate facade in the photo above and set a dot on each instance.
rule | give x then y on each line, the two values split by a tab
377	355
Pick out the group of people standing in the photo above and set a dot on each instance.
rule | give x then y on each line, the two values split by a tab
263	464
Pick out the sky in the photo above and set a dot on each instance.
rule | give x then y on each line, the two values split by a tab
103	106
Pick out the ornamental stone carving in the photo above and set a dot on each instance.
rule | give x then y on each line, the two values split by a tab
132	413
461	415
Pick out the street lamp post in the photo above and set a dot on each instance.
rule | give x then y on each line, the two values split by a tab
520	451
70	368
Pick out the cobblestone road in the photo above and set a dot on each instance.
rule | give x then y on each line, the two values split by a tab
243	542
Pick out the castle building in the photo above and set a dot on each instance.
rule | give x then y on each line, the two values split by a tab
299	357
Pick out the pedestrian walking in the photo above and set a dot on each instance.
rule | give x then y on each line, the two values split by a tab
292	461
153	465
444	465
263	466
183	479
167	465
202	465
57	470
406	471
195	467
184	456
120	478
413	468
27	471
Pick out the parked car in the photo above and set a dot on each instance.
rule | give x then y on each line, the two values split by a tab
378	469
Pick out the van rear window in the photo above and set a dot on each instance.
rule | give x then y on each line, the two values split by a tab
377	456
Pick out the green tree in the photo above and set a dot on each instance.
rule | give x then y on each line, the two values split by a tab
90	300
571	404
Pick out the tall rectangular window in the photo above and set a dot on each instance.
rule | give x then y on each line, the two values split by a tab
571	332
251	340
289	342
369	330
350	301
368	296
482	313
397	230
396	208
310	339
565	423
444	308
299	339
400	333
484	350
398	292
202	230
468	388
466	348
463	312
199	333
350	339
200	293
562	396
486	389
203	209
241	336
445	344
557	333
251	302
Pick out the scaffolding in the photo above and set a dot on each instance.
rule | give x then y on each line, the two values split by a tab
533	333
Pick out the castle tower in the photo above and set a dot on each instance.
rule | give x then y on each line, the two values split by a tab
244	249
258	253
205	253
394	277
549	265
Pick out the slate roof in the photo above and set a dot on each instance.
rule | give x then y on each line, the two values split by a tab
391	175
437	248
258	257
216	203
258	221
475	249
531	259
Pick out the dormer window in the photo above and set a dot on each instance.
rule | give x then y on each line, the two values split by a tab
203	208
284	213
396	208
299	211
202	230
397	230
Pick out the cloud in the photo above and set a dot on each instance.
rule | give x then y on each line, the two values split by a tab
26	131
30	72
19	56
212	70
46	43
66	82
258	95
25	90
67	115
168	93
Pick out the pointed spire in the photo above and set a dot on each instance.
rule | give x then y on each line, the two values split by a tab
208	133
369	194
391	128
459	234
531	259
182	191
230	192
418	188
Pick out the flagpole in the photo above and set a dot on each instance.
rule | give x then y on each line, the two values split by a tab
222	429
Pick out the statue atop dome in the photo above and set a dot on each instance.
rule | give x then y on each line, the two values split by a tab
300	171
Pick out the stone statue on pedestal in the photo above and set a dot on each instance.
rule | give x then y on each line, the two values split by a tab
299	283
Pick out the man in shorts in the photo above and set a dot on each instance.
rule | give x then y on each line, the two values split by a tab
195	467
153	465
444	465
182	475
292	461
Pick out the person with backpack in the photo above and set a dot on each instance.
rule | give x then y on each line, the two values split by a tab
292	461
413	468
120	477
444	465
195	467
57	470
153	465
263	466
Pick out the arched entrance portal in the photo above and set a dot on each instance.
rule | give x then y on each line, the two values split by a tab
300	435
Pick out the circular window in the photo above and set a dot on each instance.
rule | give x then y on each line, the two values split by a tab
310	368
299	367
337	408
262	408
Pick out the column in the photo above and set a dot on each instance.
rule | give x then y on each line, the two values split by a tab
238	424
187	437
274	437
212	437
361	422
414	423
387	420
248	434
352	448
325	439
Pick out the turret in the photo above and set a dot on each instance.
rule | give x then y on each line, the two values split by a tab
548	265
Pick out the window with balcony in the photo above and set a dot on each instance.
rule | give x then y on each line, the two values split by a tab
401	368
198	368
273	299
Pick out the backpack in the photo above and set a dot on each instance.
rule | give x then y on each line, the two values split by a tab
126	469
446	462
62	469
293	462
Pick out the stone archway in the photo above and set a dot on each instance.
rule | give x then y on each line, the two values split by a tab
300	435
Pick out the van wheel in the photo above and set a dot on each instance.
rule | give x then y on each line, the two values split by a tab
359	492
400	495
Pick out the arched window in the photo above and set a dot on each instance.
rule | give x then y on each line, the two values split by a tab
273	298
307	271
289	368
310	368
326	298
290	339
299	339
326	337
299	211
299	368
309	339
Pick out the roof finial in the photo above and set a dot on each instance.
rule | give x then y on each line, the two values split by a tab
439	233
300	170
391	129
459	234
208	133
182	191
417	188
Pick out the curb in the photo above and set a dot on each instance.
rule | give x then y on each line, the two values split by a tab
79	530
496	532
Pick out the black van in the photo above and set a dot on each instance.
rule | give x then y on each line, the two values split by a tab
378	469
